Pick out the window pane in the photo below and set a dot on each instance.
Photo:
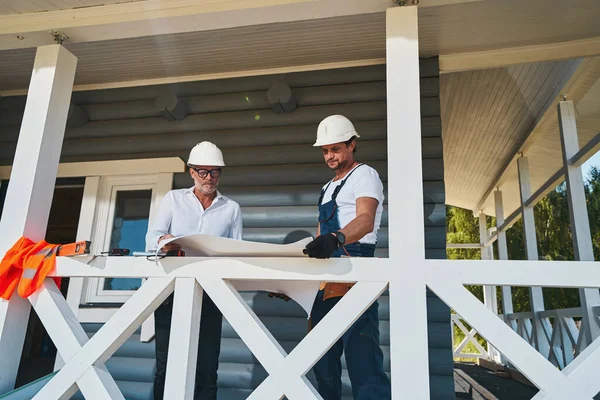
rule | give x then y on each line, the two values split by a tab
130	225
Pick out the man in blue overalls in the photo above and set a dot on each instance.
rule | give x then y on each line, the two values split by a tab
350	209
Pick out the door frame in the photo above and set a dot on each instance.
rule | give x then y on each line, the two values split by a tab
109	186
93	172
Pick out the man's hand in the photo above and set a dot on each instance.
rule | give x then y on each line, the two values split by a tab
322	247
168	246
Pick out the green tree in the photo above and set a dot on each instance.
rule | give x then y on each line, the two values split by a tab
554	239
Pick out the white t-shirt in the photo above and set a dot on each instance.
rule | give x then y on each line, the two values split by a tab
364	182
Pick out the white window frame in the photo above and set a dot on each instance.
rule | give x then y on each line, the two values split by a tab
96	173
105	211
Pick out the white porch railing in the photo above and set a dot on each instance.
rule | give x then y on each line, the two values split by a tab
561	331
460	350
187	276
84	359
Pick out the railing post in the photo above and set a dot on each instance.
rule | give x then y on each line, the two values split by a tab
489	292
31	184
535	293
507	303
580	226
408	300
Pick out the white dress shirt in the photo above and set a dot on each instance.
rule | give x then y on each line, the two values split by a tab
181	213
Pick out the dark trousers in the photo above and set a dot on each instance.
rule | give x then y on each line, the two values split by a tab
209	347
364	358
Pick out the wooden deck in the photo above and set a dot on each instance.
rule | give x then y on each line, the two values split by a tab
475	382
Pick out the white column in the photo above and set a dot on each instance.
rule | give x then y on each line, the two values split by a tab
507	304
183	342
535	293
410	379
31	184
580	226
489	292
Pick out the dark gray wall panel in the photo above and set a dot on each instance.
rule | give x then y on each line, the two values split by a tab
306	216
429	67
275	174
298	174
441	387
245	84
434	192
431	127
219	121
300	195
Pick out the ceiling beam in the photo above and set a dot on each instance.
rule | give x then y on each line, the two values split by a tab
161	17
500	58
213	76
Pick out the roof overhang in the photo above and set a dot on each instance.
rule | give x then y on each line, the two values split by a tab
159	17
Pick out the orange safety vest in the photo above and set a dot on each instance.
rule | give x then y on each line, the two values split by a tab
25	266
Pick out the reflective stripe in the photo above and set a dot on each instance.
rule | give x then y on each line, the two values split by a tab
29	273
46	252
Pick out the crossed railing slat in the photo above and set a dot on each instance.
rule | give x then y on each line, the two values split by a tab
84	358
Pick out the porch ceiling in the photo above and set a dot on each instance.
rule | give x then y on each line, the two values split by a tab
490	116
27	6
543	147
449	29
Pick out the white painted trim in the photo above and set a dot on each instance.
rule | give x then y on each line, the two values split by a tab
29	196
183	342
125	12
536	296
163	17
113	167
69	337
578	214
214	76
507	301
160	184
500	58
489	291
85	226
107	201
108	339
406	228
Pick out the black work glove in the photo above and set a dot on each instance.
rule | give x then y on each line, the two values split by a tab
322	247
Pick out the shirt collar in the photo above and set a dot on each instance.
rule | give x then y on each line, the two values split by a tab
219	195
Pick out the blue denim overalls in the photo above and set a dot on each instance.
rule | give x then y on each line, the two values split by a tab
364	358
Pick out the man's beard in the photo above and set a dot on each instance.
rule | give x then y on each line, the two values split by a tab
339	165
202	188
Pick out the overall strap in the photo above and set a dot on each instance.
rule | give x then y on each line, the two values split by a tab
323	193
337	189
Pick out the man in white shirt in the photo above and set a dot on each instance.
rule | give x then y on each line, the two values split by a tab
350	209
199	209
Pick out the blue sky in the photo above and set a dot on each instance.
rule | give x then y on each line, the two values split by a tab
594	161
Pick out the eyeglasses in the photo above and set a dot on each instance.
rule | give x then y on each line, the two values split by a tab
203	173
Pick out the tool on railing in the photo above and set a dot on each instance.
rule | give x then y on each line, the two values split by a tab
118	252
74	249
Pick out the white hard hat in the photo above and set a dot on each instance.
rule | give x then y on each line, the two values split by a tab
335	129
206	153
